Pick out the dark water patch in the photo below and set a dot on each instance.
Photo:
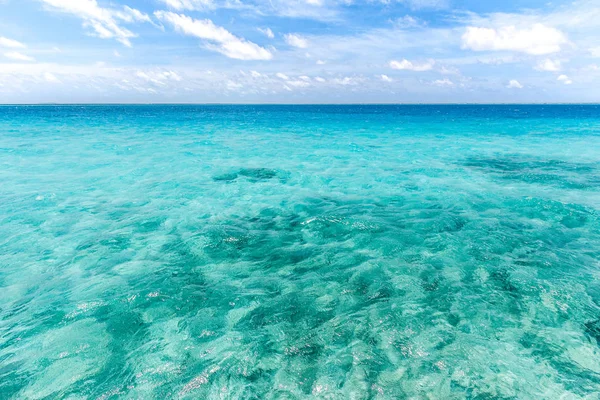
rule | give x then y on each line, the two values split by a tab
370	287
558	214
149	225
128	333
523	163
258	173
34	320
179	256
13	377
228	177
567	175
116	242
252	175
296	313
592	330
285	236
503	279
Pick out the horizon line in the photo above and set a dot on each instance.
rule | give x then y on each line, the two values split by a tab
290	104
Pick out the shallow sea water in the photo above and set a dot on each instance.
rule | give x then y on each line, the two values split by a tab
292	252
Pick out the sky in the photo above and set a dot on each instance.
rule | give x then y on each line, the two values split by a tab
299	51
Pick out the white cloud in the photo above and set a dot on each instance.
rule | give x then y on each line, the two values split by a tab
565	79
13	44
13	55
548	65
361	54
386	78
408	22
282	76
514	84
104	22
536	40
296	41
267	32
443	82
132	15
410	66
219	38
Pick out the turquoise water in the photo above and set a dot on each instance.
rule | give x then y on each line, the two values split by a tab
291	252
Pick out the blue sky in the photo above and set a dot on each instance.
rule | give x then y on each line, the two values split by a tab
303	51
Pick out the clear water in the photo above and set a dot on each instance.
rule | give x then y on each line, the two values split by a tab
290	252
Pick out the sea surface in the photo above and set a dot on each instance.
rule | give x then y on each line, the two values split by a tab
296	252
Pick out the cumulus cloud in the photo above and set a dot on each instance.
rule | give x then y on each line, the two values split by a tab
548	65
410	66
9	43
282	76
217	38
103	22
565	79
386	78
514	84
536	40
296	41
13	55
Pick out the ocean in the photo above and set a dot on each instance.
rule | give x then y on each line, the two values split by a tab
293	252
